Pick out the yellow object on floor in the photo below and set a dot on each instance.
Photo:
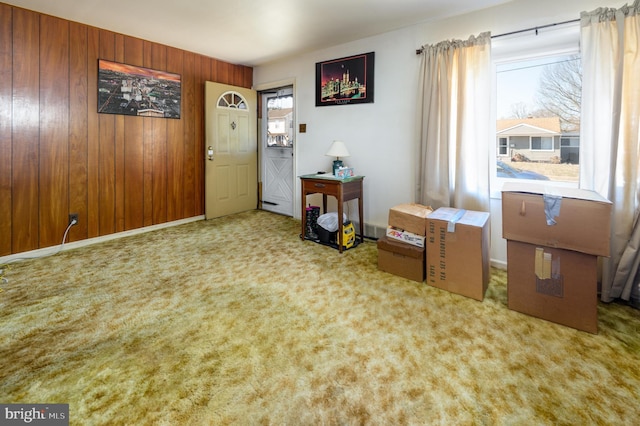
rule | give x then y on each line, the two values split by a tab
348	235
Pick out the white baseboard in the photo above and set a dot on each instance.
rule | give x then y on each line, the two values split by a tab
499	264
373	231
48	251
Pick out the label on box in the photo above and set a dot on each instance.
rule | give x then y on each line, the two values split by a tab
461	216
407	237
548	278
438	267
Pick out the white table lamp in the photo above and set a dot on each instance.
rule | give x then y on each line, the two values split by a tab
337	149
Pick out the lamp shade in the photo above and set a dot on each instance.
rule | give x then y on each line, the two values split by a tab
337	149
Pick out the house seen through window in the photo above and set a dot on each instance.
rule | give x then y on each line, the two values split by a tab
280	121
538	117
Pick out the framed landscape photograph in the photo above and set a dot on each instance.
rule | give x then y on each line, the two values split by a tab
132	90
345	80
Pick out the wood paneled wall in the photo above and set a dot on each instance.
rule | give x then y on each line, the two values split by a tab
59	156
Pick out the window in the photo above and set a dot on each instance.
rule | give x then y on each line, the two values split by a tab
280	120
539	143
538	78
232	100
503	149
570	148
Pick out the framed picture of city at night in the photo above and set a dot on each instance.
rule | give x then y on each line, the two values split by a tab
345	80
132	90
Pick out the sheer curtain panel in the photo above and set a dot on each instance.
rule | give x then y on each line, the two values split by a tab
610	146
454	118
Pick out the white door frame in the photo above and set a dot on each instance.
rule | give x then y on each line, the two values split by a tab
296	184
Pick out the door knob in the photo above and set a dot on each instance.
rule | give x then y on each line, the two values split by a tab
210	153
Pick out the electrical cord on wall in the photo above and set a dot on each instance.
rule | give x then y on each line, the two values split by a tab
5	267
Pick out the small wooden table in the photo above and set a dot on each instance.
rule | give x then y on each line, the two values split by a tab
343	189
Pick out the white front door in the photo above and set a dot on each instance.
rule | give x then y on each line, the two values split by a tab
276	149
231	157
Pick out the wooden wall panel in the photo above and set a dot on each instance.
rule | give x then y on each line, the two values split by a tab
59	156
134	150
159	62
147	136
203	72
78	129
189	120
134	174
106	151
5	129
93	142
175	147
224	73
247	76
54	129
213	70
238	75
119	189
25	130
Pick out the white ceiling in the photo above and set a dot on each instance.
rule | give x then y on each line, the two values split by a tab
252	32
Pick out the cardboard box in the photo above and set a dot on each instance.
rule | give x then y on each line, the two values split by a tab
458	251
562	289
583	223
402	259
404	236
410	217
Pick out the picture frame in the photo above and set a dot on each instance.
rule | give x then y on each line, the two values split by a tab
133	90
344	81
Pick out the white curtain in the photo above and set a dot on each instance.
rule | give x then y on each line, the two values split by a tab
454	118
610	145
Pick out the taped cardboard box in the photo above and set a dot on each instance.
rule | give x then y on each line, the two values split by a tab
402	259
582	222
457	248
553	284
410	217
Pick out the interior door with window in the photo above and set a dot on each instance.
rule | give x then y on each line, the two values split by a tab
231	171
276	149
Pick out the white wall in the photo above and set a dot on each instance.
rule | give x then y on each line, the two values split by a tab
381	136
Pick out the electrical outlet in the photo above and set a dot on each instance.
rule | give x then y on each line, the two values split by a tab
73	218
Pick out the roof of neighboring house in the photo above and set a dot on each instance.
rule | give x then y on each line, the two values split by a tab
551	124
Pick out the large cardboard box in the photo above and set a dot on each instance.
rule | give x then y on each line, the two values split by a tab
583	222
401	259
553	284
458	251
410	217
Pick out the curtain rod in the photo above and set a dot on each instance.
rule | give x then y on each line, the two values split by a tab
419	51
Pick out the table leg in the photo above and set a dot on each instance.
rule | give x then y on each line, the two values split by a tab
340	224
304	214
361	214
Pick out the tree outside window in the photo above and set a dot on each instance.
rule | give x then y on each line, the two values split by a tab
531	90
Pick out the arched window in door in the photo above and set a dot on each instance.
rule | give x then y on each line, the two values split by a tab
232	100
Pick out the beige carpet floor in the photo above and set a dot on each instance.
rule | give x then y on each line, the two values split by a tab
238	321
